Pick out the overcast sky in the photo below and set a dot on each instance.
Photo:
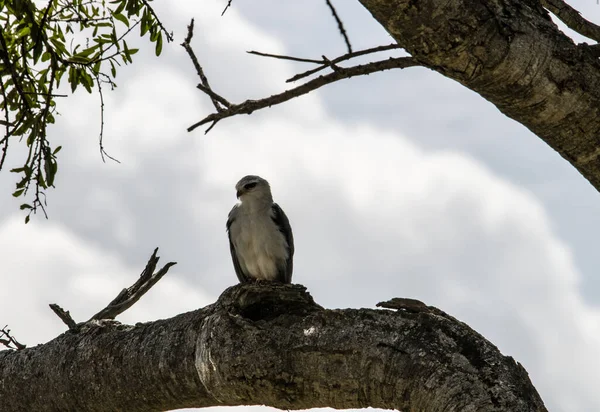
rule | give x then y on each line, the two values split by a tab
401	183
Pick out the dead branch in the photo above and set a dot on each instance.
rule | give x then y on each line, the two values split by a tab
8	340
324	64
127	297
65	316
573	18
219	103
284	57
249	106
226	7
340	25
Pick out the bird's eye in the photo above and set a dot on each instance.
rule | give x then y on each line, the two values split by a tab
249	186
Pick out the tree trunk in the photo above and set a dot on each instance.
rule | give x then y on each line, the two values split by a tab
272	345
512	54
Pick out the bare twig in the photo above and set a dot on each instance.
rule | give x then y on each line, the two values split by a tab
250	106
283	57
340	25
127	297
8	340
226	7
215	96
573	18
217	102
102	150
348	56
65	316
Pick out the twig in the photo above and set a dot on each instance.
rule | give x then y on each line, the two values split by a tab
348	56
162	28
65	316
203	79
250	106
573	18
127	297
280	56
215	96
102	151
4	140
340	25
226	7
9	341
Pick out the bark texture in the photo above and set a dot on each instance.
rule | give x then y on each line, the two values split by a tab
272	345
512	54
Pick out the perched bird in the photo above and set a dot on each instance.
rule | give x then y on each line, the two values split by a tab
260	236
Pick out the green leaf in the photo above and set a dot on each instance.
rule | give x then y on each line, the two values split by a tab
113	70
57	150
25	206
26	219
23	32
18	192
159	45
121	18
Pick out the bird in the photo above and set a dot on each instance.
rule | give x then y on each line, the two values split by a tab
260	236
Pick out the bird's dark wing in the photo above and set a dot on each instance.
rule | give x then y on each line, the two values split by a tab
236	264
283	224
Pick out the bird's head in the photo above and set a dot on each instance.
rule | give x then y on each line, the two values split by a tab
253	189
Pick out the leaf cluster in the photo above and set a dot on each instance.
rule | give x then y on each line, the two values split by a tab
82	42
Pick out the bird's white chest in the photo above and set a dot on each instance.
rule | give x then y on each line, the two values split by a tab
260	246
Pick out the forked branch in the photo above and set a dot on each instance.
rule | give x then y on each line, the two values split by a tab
126	298
9	341
132	294
573	18
225	109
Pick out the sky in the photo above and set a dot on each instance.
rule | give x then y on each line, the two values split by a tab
398	184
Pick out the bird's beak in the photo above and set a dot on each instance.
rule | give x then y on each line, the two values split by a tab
239	193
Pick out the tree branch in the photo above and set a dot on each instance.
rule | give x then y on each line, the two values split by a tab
8	340
324	62
340	24
249	106
572	18
64	315
272	345
127	297
217	102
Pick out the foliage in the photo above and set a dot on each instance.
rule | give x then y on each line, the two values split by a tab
80	41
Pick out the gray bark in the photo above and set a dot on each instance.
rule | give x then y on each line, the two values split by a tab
272	345
512	54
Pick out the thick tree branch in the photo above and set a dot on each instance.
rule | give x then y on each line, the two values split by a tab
269	344
572	18
512	54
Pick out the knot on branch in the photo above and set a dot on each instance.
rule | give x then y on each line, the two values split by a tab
267	300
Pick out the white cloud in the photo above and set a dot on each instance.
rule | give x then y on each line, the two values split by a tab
45	263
